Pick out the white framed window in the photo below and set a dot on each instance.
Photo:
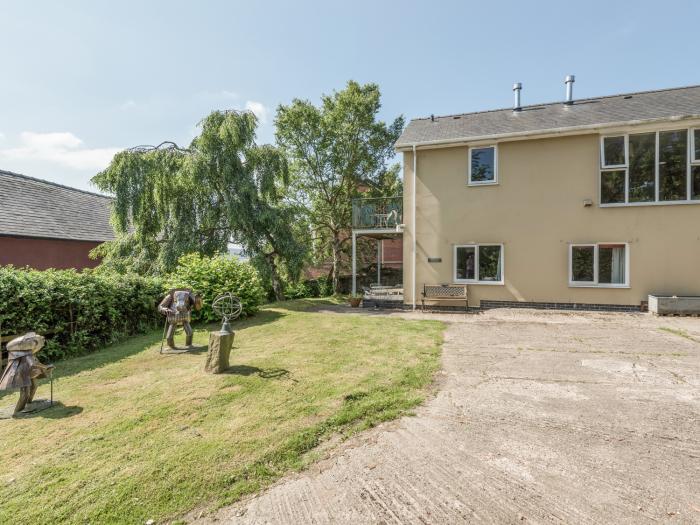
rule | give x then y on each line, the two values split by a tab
695	146
483	165
694	168
600	265
657	167
613	151
478	263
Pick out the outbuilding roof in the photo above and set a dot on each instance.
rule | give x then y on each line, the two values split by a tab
627	108
32	207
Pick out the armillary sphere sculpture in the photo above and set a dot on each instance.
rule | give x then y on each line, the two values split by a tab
228	307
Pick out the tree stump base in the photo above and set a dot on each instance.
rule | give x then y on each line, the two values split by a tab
220	344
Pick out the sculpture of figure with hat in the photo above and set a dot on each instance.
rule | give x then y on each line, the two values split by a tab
24	368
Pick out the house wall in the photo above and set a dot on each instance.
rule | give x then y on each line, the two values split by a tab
46	253
536	211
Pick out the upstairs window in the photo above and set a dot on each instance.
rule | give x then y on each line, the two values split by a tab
655	167
614	152
602	265
478	263
695	165
483	166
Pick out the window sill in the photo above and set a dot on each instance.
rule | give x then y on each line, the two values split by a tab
488	283
488	183
636	204
608	286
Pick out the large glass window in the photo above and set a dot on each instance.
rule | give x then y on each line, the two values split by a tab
695	179
483	165
695	168
612	186
479	263
602	264
673	165
614	153
642	176
650	167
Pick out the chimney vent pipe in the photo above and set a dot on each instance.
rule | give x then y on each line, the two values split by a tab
570	79
517	87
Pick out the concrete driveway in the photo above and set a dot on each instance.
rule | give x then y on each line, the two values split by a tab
539	417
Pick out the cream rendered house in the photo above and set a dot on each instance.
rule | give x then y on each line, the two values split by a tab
589	203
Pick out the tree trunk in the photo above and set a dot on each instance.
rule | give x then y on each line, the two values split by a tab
277	286
335	271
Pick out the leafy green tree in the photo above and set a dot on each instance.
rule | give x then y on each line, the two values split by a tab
336	149
170	201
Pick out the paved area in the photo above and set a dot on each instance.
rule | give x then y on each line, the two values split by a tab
540	417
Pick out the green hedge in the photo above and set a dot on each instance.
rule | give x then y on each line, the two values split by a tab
320	287
81	311
77	311
213	276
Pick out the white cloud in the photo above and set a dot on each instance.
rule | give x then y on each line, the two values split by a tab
2	136
258	108
61	148
128	104
218	95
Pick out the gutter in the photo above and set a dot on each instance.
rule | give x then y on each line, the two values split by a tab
575	130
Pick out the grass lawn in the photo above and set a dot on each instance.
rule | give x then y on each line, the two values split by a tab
146	436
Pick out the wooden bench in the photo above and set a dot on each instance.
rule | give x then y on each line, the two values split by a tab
444	292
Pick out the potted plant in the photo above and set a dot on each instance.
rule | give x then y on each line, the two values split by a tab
355	300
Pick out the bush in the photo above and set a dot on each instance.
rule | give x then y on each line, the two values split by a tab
77	311
309	288
212	276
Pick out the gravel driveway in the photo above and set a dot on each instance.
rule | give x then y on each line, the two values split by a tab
539	417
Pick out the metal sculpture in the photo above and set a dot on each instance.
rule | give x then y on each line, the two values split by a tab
24	368
228	307
177	307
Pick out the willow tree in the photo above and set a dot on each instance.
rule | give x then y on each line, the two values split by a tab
336	149
222	188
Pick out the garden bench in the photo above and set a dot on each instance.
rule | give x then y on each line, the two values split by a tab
444	292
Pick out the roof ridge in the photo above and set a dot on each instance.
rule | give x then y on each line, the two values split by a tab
27	177
578	100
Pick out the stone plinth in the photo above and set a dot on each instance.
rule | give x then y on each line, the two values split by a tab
220	344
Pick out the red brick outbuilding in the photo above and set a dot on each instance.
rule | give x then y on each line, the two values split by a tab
47	225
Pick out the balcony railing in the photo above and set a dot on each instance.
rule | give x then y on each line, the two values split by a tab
377	213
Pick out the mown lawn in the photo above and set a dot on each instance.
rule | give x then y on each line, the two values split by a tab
146	436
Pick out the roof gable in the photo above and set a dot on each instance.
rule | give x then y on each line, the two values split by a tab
32	207
542	118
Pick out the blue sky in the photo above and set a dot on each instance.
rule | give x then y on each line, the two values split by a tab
79	81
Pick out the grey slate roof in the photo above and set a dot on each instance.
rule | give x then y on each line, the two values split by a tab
32	207
601	111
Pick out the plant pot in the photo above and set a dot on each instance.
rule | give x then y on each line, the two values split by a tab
355	301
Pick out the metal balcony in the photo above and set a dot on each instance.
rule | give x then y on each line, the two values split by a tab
380	213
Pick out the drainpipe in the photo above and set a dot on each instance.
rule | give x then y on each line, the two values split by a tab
413	230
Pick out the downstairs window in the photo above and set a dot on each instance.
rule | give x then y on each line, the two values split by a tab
478	263
603	264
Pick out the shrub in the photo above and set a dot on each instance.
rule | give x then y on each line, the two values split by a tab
320	287
212	276
78	311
